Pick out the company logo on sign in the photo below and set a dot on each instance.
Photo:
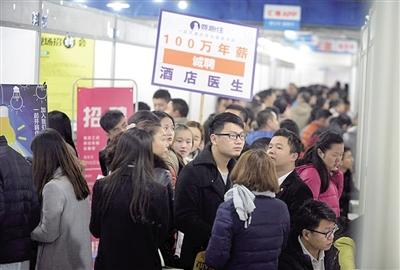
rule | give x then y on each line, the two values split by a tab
280	17
285	13
197	26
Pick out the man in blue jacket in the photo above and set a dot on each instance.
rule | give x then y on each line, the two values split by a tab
19	209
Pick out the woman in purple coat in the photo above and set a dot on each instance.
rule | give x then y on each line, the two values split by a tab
251	227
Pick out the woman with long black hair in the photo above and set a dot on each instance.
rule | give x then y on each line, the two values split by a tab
63	232
61	122
130	211
319	169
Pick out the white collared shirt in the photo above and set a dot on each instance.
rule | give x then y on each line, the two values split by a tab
224	176
318	264
283	177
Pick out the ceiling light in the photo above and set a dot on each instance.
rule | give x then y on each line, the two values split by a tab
290	34
117	6
305	49
182	5
158	1
262	41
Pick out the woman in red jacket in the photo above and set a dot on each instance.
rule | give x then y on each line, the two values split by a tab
319	169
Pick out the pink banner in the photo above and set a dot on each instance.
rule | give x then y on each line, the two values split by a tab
91	138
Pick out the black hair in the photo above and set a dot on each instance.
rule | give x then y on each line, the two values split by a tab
305	95
265	94
250	115
265	115
50	152
161	115
293	140
142	106
310	215
290	125
320	102
61	122
237	107
281	103
317	134
143	116
181	106
317	113
110	150
206	128
322	113
162	94
219	121
311	156
335	102
340	120
110	119
152	128
133	154
260	143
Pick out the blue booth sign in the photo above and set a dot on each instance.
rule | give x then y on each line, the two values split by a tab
282	17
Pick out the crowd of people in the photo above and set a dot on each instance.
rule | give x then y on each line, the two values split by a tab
264	184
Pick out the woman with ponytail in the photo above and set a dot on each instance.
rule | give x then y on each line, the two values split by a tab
319	169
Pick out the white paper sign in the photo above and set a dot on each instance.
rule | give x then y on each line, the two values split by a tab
206	56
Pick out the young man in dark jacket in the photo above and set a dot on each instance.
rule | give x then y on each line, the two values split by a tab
310	246
203	182
284	149
112	122
19	208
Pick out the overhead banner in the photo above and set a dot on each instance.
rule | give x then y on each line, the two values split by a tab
282	17
337	46
206	56
63	60
23	114
91	138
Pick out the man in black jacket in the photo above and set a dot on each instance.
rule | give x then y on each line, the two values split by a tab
310	247
203	182
284	149
19	208
112	122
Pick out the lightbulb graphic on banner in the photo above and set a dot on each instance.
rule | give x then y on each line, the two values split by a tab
16	100
41	92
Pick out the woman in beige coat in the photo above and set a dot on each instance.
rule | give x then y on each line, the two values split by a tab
63	232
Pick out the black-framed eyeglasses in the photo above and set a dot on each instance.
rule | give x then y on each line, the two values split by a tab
233	136
327	234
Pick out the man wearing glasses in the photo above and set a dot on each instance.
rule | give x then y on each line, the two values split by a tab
202	184
311	244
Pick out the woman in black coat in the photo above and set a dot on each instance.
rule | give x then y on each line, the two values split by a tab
130	211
